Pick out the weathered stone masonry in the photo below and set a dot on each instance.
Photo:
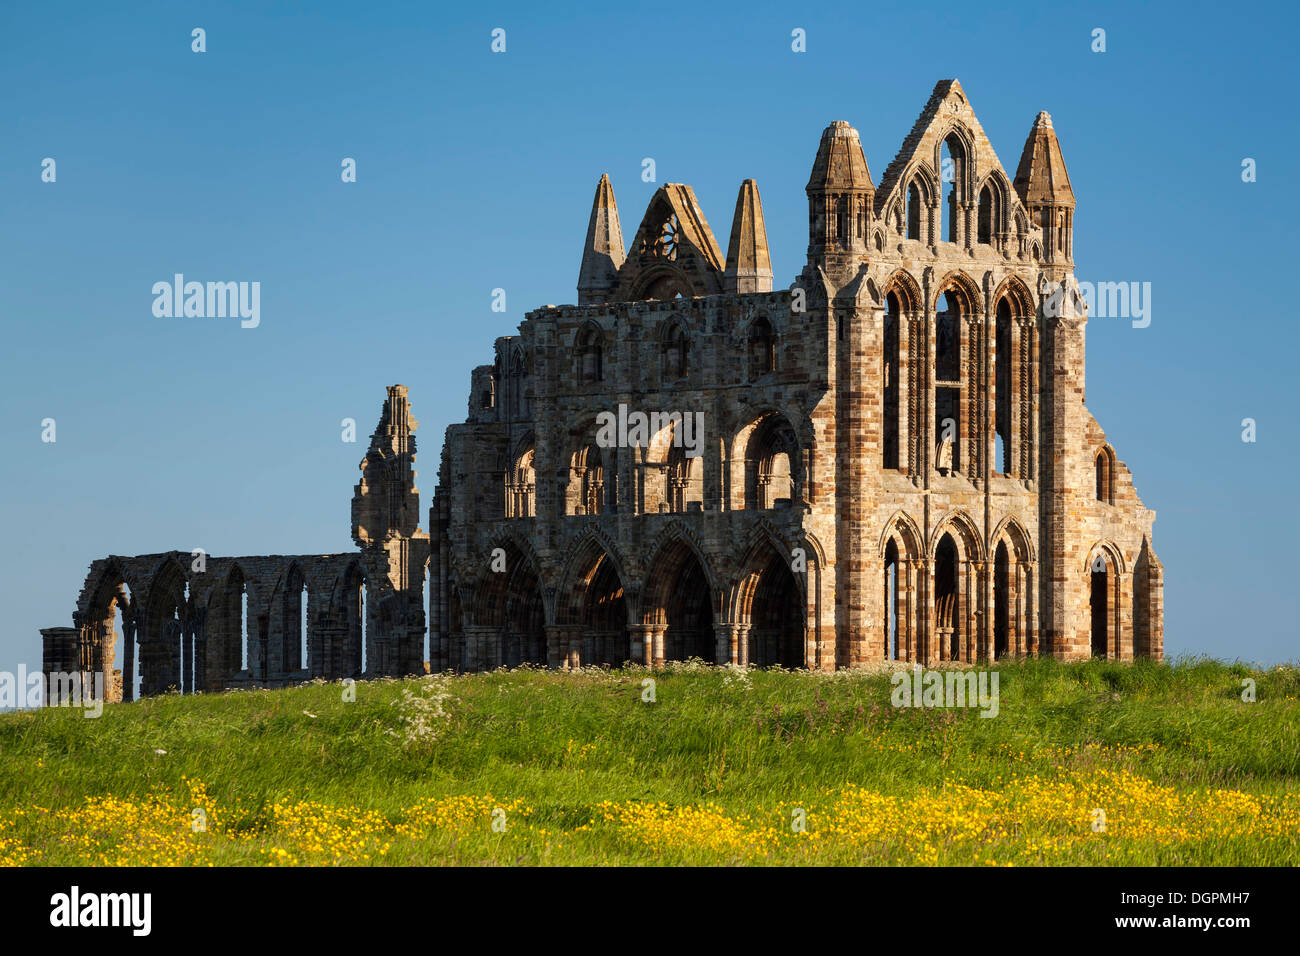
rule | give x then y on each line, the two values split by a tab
200	623
897	462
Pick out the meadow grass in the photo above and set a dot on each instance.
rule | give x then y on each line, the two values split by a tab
539	766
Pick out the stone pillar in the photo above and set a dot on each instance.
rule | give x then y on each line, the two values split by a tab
641	642
742	644
727	636
658	632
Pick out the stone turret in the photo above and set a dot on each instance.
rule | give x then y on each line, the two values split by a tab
840	199
749	267
1044	188
603	253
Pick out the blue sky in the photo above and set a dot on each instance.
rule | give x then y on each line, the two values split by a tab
475	171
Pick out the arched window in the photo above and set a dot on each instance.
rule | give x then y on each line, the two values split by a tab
948	190
842	221
591	359
913	212
1002	458
986	215
589	471
890	373
947	594
1105	475
521	487
762	348
684	484
771	464
892	651
674	354
947	392
1001	602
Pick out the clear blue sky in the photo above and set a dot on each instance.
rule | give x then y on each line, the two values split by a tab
476	171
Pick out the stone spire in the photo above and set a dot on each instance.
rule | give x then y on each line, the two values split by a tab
1044	187
840	200
603	252
1041	175
749	267
840	164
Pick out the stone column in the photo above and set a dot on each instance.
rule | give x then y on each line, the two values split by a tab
727	636
641	643
742	644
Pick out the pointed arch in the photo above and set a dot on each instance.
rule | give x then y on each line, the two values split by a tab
679	604
1109	613
761	346
592	605
903	530
589	352
1104	469
902	284
901	551
1014	629
772	457
674	350
769	603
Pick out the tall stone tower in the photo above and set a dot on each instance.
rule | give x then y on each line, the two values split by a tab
385	525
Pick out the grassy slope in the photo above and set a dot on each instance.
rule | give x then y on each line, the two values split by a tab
722	756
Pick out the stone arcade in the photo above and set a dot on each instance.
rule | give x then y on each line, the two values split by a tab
897	462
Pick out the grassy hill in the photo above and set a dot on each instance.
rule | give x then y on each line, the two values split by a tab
723	767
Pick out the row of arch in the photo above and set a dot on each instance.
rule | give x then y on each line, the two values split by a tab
162	631
765	465
980	378
604	612
591	361
956	597
976	209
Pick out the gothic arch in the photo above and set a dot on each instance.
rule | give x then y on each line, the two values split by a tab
508	613
769	604
1014	579
590	353
1105	470
1109	611
964	287
994	219
902	284
902	530
768	458
679	602
760	345
1017	295
674	351
1012	530
583	559
592	606
960	524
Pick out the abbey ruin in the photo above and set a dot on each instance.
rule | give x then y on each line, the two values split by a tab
890	459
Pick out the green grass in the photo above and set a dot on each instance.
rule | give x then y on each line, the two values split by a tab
561	744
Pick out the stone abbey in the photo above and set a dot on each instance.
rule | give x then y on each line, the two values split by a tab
895	461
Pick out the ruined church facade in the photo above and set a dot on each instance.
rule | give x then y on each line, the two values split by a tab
895	459
890	459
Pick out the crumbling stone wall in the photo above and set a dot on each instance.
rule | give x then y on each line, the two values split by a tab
192	622
896	459
889	459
